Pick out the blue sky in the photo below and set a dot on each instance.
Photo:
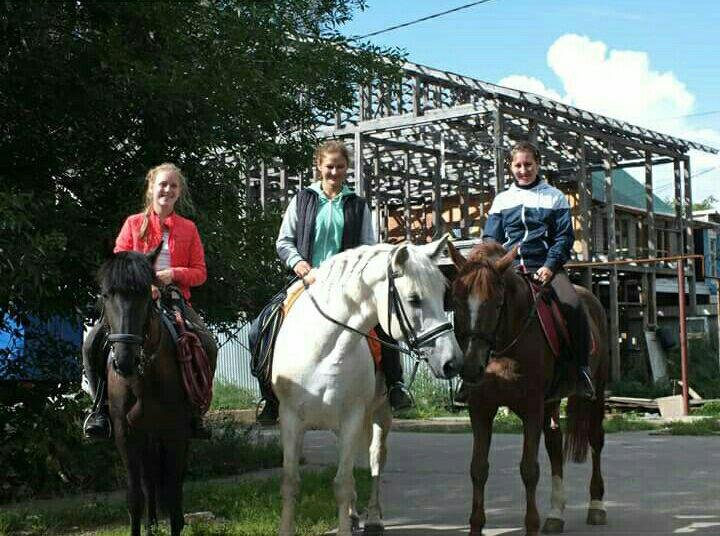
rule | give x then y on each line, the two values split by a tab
651	61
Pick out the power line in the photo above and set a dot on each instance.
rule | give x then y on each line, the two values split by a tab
699	114
433	16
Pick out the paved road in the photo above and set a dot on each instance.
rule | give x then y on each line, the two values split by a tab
654	484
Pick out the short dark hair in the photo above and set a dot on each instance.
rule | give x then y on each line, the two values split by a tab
524	147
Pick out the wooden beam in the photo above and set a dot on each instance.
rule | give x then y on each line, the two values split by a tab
378	198
406	199
359	175
263	185
689	238
677	179
437	191
283	187
499	152
464	205
584	187
614	311
649	281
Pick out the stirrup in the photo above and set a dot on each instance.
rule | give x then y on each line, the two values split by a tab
89	435
585	388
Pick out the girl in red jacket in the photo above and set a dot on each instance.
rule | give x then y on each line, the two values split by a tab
181	262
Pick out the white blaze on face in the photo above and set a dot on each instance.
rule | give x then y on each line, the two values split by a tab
474	306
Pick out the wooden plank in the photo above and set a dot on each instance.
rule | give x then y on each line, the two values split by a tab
649	292
437	191
283	187
464	205
689	238
378	197
359	175
584	187
614	312
406	199
499	152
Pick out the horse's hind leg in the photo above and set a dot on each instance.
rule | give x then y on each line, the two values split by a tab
291	433
555	522
378	455
482	419
175	455
348	436
596	511
150	491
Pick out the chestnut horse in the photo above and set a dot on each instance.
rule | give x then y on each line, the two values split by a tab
509	363
149	409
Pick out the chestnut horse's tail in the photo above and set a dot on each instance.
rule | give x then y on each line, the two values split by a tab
577	436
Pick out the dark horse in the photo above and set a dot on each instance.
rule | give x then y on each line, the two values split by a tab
148	406
509	363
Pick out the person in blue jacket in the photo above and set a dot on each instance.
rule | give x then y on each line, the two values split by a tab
536	217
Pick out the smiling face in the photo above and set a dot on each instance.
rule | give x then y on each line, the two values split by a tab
166	190
524	167
333	168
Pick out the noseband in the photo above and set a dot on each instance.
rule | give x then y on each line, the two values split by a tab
127	338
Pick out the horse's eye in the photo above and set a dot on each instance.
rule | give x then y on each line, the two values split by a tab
415	301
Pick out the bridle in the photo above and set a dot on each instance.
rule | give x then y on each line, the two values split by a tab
133	340
490	338
414	340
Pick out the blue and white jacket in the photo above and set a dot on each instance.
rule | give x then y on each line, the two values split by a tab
538	219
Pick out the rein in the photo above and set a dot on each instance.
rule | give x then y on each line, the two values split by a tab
491	340
414	340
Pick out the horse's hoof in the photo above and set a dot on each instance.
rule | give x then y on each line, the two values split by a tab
596	517
374	529
355	523
553	525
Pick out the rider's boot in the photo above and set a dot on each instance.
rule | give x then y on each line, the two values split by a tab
399	396
270	411
97	424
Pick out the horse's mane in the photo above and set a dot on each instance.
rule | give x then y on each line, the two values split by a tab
479	271
344	271
126	271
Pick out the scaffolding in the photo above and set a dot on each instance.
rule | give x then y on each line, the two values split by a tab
429	155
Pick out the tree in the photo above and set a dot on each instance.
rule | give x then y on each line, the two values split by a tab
95	93
706	204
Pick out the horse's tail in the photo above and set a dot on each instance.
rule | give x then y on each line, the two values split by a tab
577	437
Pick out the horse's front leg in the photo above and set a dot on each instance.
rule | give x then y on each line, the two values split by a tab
349	435
481	419
529	467
555	522
291	433
382	421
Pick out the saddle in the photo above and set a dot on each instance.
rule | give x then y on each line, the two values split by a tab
264	330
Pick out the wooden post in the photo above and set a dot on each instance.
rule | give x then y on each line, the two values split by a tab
650	289
283	187
499	151
359	177
263	184
612	245
584	188
683	335
678	208
437	190
406	200
417	96
689	238
378	199
464	204
533	132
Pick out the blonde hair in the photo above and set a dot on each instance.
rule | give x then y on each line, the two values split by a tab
184	202
330	147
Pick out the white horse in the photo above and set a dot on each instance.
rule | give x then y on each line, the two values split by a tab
323	373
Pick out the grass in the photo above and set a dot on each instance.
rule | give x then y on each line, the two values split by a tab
708	426
711	409
247	508
229	396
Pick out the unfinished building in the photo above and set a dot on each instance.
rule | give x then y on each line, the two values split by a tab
429	156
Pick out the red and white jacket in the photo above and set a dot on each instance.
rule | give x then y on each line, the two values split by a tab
187	256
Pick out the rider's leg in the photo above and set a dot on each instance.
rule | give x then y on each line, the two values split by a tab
94	353
392	368
199	430
579	329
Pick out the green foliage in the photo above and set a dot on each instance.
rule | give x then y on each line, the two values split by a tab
706	204
94	94
250	507
229	396
627	422
701	427
39	464
702	368
431	397
711	409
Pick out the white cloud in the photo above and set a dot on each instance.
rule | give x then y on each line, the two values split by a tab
622	84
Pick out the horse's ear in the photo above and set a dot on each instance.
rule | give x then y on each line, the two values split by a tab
457	257
153	255
400	257
434	249
506	261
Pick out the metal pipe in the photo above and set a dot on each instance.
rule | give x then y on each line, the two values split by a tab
648	260
683	337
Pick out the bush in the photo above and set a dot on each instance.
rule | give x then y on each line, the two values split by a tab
229	396
38	464
431	396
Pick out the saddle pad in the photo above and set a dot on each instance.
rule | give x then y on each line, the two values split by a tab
294	293
553	324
